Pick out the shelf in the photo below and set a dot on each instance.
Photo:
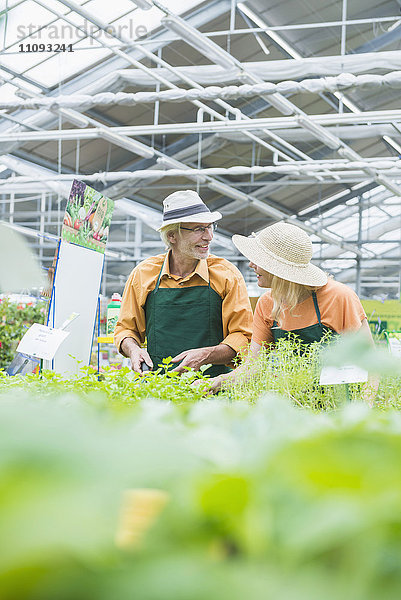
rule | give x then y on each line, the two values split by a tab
105	340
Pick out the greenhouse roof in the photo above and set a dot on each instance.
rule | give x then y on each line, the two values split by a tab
281	110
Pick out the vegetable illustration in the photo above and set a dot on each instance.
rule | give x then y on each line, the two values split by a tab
67	220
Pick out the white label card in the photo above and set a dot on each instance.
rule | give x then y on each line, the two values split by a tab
394	345
345	374
42	341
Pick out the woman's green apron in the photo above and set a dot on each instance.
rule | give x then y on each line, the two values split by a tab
307	335
179	319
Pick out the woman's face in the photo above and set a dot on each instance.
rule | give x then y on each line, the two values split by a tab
264	277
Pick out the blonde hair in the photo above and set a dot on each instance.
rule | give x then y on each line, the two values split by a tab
286	295
166	230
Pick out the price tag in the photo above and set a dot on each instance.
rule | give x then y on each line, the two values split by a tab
394	343
42	341
345	374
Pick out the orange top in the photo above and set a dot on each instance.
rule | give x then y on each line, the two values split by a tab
225	279
340	309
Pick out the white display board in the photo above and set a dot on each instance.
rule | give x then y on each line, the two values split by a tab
75	289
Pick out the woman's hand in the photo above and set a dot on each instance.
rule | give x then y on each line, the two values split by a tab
211	386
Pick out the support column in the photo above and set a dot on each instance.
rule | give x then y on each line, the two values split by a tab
358	259
138	241
11	215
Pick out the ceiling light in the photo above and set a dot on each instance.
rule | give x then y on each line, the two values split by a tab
280	42
144	4
272	34
227	190
200	42
346	152
249	18
126	143
320	133
347	102
289	49
394	25
72	116
392	187
392	143
232	192
262	44
152	218
281	103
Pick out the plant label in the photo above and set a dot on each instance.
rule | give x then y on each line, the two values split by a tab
41	341
344	374
394	343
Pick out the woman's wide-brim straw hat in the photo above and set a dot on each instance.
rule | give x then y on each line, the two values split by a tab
283	250
186	206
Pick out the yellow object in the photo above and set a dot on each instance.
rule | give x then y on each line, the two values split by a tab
105	339
140	509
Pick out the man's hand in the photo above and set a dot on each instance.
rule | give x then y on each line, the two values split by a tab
136	354
194	358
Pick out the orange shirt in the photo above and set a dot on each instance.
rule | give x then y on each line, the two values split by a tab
340	309
225	279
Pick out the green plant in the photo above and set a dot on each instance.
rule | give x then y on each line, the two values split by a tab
15	318
116	389
263	500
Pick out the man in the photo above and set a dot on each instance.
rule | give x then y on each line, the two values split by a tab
188	304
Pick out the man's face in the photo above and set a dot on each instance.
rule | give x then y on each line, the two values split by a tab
193	241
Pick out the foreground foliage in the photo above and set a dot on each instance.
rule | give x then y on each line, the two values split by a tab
264	500
125	487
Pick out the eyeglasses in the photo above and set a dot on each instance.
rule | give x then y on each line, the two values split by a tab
199	229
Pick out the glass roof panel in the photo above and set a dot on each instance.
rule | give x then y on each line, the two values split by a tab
8	92
345	228
63	65
380	248
29	22
393	209
109	11
21	19
335	266
392	235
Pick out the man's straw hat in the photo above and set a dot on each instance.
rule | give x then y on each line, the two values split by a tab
186	206
283	250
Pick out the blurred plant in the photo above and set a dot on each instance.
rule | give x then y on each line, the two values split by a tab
264	501
14	321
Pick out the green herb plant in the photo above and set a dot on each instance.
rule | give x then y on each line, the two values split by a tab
114	388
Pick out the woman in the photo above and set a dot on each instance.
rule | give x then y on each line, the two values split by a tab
302	299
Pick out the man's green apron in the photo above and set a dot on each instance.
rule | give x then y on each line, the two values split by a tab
312	333
179	319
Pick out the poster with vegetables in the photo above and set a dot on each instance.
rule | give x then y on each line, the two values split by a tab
87	217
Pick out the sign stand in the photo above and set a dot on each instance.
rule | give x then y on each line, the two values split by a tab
77	275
